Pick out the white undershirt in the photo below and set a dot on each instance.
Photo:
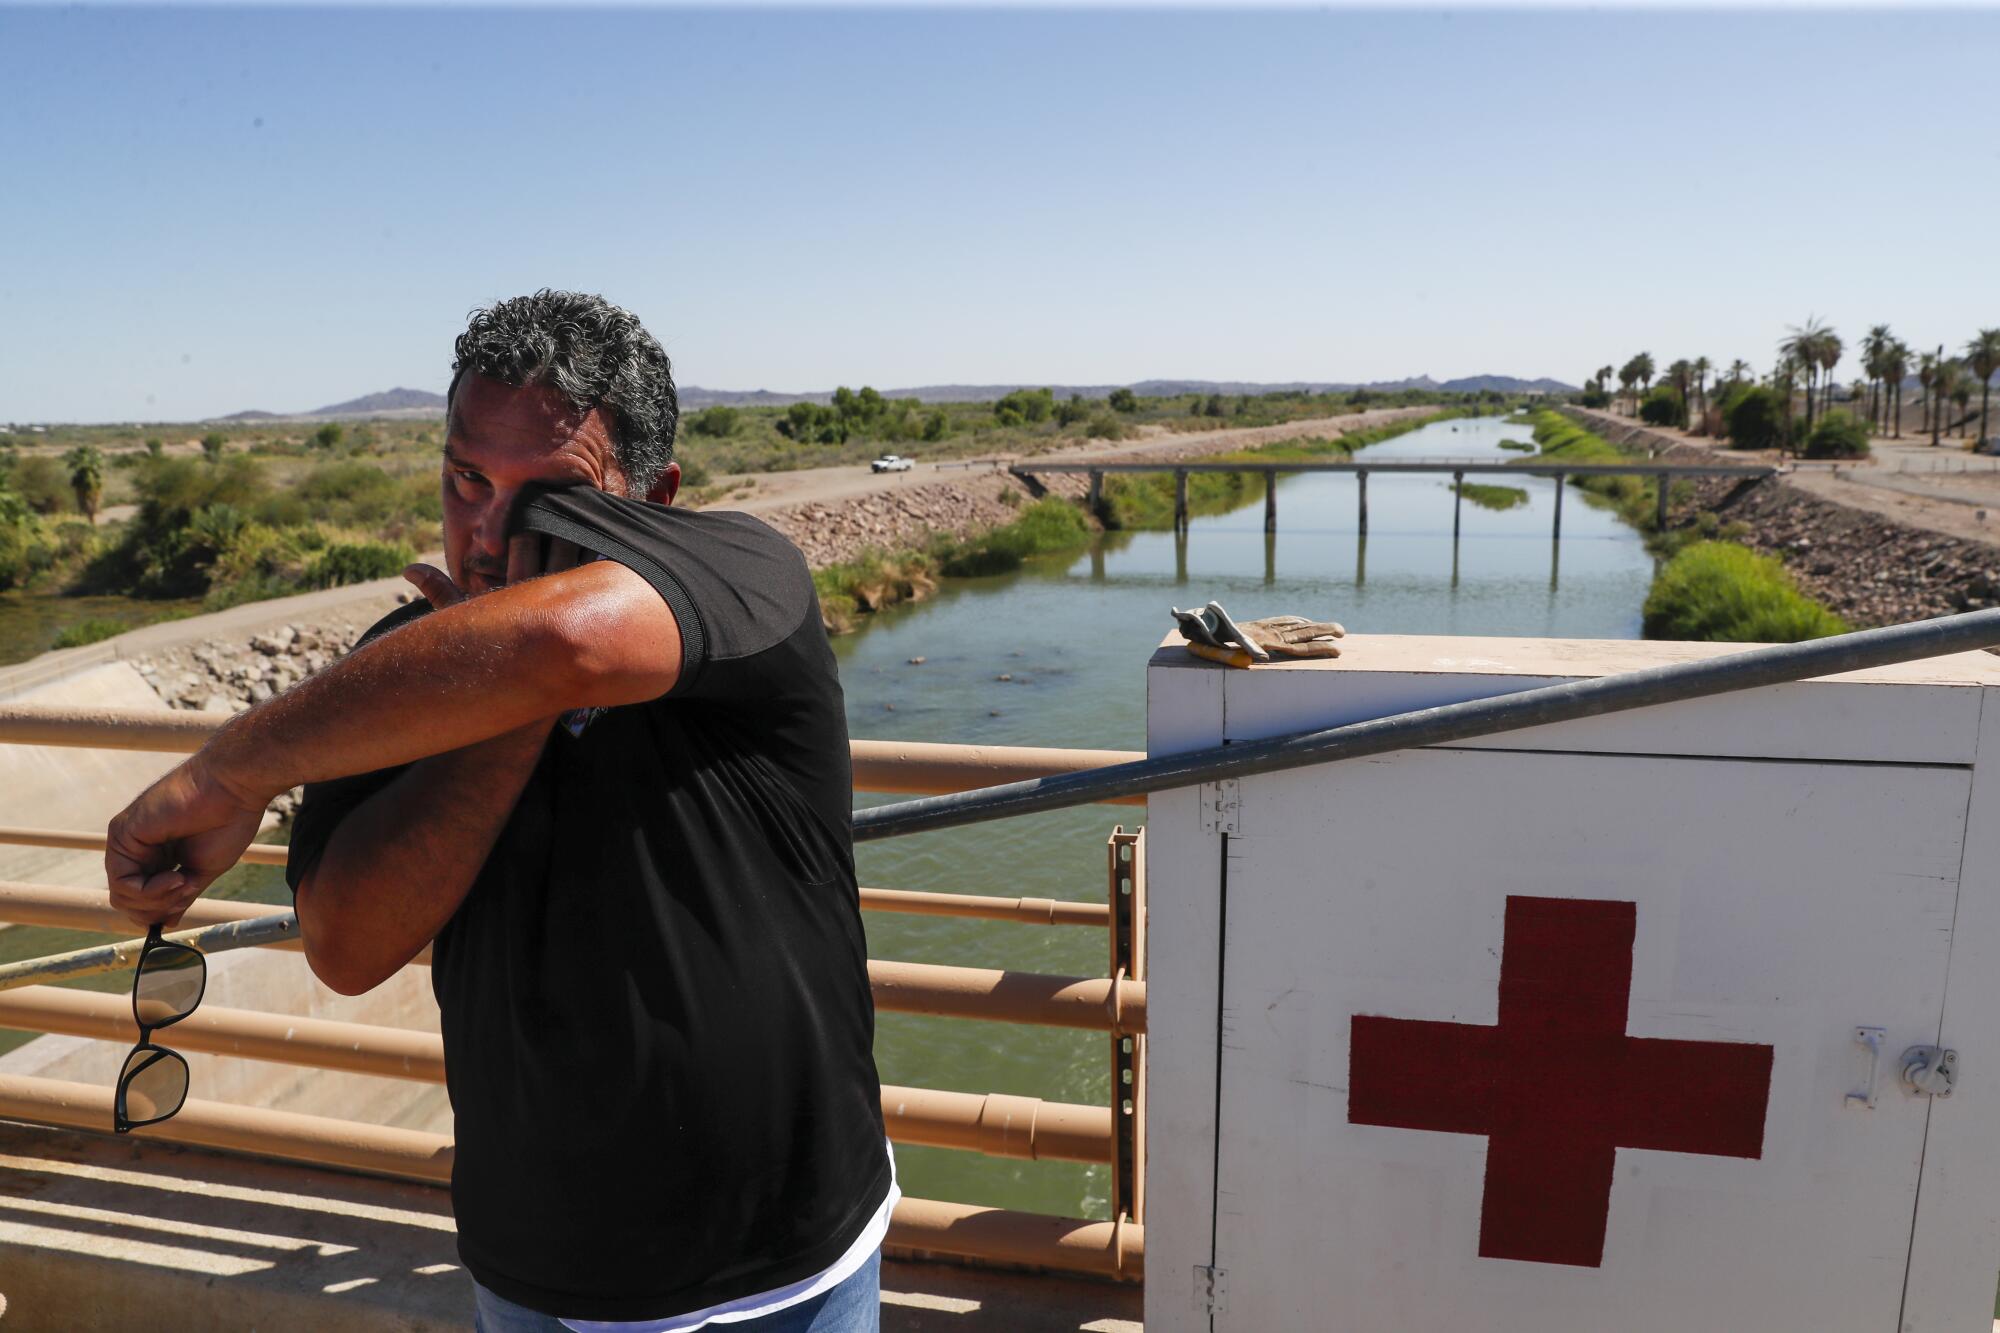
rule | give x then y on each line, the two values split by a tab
768	1302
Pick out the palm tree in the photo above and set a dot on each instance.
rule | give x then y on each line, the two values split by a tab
1807	348
1873	349
1701	373
1896	369
1961	391
1983	355
1784	379
86	478
1642	367
1739	370
1829	356
1927	365
1681	375
1628	375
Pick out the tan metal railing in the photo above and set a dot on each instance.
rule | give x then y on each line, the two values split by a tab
1038	911
993	1124
907	767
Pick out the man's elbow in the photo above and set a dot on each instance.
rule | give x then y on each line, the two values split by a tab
331	953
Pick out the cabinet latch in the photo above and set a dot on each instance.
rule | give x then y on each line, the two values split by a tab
1930	1071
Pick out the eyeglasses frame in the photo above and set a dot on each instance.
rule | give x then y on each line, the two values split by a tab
126	1074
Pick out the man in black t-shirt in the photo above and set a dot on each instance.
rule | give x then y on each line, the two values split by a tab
604	766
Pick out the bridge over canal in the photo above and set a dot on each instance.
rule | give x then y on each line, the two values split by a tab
1457	468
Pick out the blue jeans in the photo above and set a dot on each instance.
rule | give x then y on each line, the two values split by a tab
855	1306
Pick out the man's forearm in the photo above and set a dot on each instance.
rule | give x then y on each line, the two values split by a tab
449	680
402	861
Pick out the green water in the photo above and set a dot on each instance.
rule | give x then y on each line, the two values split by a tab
30	622
1075	635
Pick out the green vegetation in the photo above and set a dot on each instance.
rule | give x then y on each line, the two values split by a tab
1718	591
1663	407
1560	438
88	631
1753	418
1518	446
1838	435
1493	497
877	579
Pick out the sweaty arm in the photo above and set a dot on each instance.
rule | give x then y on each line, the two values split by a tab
474	684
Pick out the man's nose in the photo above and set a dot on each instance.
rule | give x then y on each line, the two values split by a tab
491	534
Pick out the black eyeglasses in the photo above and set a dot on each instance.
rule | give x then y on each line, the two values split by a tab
165	989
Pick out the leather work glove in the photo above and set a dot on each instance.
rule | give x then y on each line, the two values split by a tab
1294	636
1213	635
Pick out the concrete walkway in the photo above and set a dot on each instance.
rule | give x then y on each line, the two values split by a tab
130	1234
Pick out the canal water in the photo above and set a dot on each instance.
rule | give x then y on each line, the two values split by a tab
1055	655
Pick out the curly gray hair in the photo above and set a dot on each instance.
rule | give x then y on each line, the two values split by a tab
591	352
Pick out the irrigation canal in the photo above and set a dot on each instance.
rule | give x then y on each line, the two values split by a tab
1055	655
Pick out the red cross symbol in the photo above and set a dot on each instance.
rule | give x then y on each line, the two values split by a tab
1556	1086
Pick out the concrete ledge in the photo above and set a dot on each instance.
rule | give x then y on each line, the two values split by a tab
122	1234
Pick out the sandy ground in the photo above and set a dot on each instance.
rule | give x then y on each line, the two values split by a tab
1944	490
781	490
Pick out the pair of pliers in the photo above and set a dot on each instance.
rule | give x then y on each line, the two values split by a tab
1212	627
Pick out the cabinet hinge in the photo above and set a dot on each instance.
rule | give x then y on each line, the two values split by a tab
1211	1290
1221	807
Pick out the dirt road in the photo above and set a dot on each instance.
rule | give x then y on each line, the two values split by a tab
1943	490
774	491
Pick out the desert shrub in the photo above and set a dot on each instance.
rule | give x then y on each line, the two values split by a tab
1025	406
1719	591
1070	412
717	422
42	484
936	426
327	436
1838	434
693	471
1754	418
212	445
1105	427
357	562
1123	400
1663	407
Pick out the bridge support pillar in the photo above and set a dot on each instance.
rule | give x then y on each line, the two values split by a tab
1560	482
1665	484
1270	500
1096	492
1361	489
1180	501
1457	508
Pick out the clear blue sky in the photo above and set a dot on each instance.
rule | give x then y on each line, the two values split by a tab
215	209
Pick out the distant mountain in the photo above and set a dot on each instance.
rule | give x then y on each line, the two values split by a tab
695	397
250	416
394	400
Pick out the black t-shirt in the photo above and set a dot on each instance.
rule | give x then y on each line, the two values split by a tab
658	1029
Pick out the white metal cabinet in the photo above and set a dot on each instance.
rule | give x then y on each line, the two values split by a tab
1784	891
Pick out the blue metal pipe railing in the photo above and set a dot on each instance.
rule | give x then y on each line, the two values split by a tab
1547	704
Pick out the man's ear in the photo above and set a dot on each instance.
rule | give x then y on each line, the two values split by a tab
668	485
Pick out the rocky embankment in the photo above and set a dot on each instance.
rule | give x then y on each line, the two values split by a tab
227	676
833	531
1868	569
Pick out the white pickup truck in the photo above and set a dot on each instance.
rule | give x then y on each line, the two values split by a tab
891	463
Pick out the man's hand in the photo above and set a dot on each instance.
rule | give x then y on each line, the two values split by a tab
525	560
166	847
